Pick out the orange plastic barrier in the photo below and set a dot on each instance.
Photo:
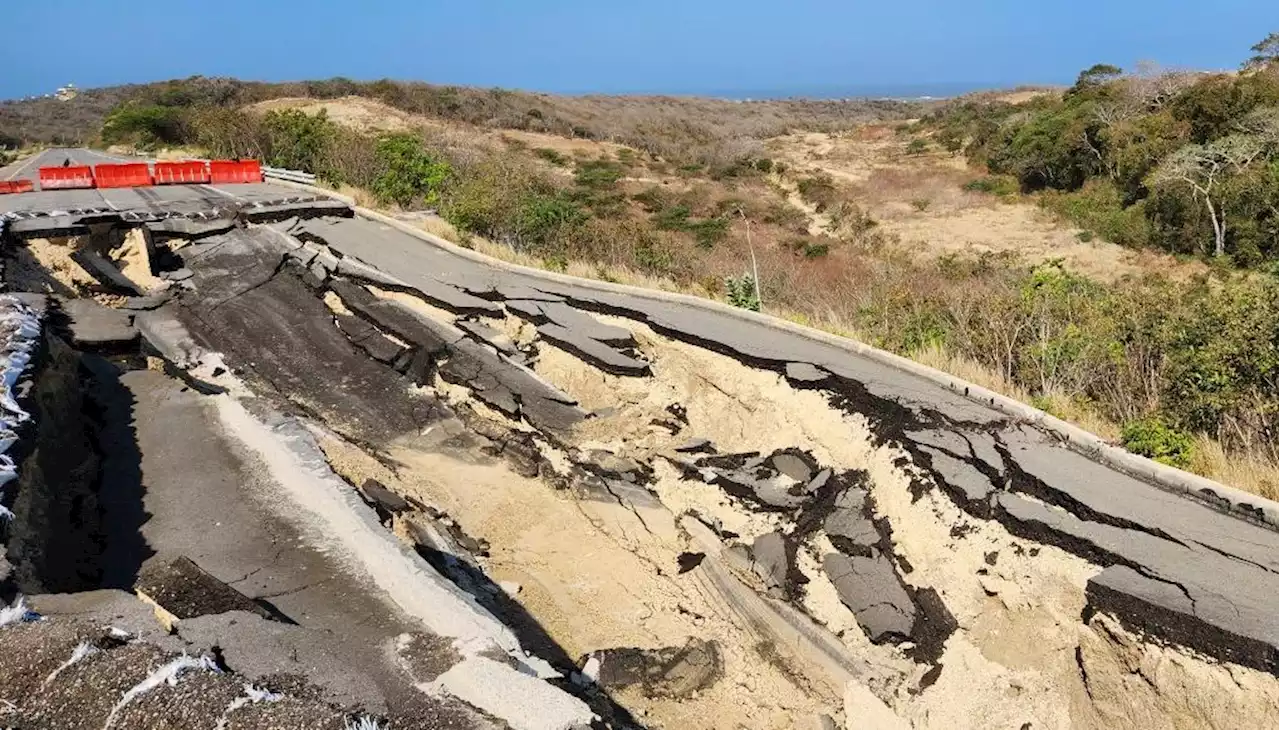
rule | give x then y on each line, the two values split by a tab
16	186
125	175
187	172
66	178
235	171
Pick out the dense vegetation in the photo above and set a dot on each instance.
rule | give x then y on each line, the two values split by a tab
1185	162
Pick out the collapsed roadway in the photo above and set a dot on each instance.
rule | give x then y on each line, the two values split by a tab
268	455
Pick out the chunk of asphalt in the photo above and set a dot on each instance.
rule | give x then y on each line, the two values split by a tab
676	672
105	272
697	446
1144	603
584	325
593	351
1171	590
526	309
770	563
184	590
368	338
870	588
848	521
94	326
488	335
772	493
793	466
180	274
151	301
803	373
962	480
384	501
819	481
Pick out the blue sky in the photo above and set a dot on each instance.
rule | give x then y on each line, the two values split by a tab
707	46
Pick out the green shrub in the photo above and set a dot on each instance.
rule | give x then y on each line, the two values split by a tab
409	173
551	156
597	174
917	146
764	164
675	218
1084	236
816	250
299	141
819	191
920	204
1152	438
652	199
1001	185
1097	207
741	292
707	233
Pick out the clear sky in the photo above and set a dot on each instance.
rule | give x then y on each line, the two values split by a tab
696	46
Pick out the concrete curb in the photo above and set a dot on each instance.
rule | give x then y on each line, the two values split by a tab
1230	500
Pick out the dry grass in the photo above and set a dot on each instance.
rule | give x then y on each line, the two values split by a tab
918	200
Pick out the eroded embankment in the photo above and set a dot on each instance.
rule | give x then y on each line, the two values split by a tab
617	485
698	538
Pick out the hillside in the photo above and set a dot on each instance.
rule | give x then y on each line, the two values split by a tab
858	219
676	127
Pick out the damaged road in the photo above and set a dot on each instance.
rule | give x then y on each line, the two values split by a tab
673	517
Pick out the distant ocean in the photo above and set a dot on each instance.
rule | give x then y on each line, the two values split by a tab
853	91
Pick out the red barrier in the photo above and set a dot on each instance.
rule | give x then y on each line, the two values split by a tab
126	175
235	171
16	186
187	172
66	178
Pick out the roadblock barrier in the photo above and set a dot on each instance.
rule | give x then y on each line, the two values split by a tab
235	171
66	178
125	175
16	186
185	172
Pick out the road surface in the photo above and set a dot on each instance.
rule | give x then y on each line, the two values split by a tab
826	488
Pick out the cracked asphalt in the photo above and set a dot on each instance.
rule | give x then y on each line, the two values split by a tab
303	313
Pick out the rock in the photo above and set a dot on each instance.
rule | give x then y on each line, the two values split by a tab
770	563
824	722
675	672
870	588
510	588
793	466
803	373
95	326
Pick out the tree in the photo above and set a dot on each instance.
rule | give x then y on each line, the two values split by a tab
1096	75
1202	169
1265	53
